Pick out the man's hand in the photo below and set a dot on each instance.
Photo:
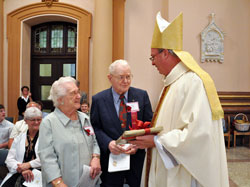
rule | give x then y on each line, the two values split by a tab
28	175
95	167
131	150
143	142
30	97
115	149
23	167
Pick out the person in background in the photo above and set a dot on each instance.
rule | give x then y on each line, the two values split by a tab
40	104
84	98
190	151
85	107
23	101
5	130
67	139
22	157
20	126
110	121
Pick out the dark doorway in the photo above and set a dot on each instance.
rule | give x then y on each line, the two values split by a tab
53	55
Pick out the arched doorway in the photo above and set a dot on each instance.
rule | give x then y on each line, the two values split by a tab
15	20
53	55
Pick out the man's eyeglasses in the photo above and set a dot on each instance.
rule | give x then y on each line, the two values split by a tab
123	77
153	57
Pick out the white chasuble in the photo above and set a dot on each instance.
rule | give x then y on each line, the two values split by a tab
190	135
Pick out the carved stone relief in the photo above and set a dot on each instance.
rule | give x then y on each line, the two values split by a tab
212	46
49	2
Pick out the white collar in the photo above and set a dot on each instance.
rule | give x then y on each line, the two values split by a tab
25	98
175	73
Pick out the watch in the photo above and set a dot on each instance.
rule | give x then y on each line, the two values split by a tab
58	182
96	156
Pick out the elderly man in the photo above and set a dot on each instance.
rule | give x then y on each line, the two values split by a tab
110	118
190	151
20	126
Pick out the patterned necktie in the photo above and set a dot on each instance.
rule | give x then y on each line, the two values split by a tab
123	112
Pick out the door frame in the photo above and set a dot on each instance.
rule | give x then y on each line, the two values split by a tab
15	20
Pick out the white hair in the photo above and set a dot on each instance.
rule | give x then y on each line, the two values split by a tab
32	112
115	64
58	89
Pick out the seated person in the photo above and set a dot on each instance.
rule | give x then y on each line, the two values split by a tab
22	156
40	105
20	126
5	130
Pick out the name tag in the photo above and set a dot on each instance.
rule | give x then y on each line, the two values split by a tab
133	106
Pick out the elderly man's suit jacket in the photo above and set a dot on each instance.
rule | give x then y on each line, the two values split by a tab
106	122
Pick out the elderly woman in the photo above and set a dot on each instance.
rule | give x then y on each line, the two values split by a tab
22	156
67	139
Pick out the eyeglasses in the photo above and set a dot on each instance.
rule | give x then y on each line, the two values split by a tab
123	77
153	57
35	120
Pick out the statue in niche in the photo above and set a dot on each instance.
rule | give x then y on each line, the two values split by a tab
212	46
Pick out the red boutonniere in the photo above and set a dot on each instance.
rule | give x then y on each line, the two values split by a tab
129	108
87	131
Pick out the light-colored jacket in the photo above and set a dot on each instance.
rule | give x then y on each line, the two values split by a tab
65	147
16	155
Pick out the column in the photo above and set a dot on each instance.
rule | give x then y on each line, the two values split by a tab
1	53
102	44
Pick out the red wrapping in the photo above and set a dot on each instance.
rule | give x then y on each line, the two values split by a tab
140	125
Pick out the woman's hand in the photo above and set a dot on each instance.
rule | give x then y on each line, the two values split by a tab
23	167
28	175
58	182
95	167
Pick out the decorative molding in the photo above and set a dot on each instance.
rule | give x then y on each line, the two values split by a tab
212	46
235	102
49	2
234	96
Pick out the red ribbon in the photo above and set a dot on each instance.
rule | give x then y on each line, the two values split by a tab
134	119
147	131
141	125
